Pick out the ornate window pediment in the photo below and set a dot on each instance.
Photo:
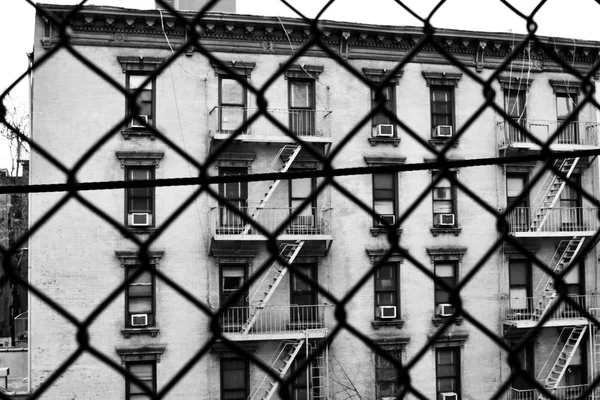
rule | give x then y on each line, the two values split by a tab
140	63
442	78
145	353
135	158
304	71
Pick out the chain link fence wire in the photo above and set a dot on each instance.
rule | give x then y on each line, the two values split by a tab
205	183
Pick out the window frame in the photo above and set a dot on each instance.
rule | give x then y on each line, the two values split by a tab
394	200
128	196
389	104
130	91
152	314
396	352
571	132
241	201
395	267
129	383
453	202
438	289
527	285
311	208
433	102
455	352
309	313
246	372
243	104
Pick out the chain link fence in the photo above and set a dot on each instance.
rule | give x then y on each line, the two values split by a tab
508	221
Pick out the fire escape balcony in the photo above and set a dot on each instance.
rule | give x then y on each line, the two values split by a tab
560	393
576	135
313	126
313	226
555	222
277	322
526	312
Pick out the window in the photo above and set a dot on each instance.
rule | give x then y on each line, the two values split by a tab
447	273
565	104
442	111
144	100
444	204
139	298
146	373
515	184
519	275
387	292
526	359
232	103
233	277
383	125
140	201
574	282
385	198
302	107
234	379
447	371
515	106
237	194
386	374
571	217
303	296
300	190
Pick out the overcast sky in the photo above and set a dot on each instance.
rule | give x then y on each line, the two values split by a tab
559	18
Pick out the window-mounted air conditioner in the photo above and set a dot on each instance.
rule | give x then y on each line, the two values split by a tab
387	219
387	312
384	130
139	319
135	122
304	220
140	219
443	131
444	310
449	396
444	219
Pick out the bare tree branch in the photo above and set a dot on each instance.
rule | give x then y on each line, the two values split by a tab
14	128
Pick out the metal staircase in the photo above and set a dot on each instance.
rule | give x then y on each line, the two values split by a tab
564	254
550	191
564	358
281	362
288	153
274	275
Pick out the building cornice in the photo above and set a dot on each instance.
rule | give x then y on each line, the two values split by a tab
113	26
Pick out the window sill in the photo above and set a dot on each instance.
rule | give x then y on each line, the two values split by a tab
127	332
439	320
435	231
374	141
382	230
442	142
398	323
139	230
129	133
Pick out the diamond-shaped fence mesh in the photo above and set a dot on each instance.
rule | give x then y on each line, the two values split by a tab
528	271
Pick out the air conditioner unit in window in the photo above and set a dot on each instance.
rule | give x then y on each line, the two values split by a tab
135	123
385	130
387	312
449	396
140	219
443	131
444	310
387	219
444	219
139	319
304	220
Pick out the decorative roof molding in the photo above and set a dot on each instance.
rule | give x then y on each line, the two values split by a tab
382	161
379	75
514	82
236	67
145	353
565	86
140	63
302	71
442	78
131	258
135	158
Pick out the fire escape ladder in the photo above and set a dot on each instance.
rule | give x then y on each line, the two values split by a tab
564	358
290	251
288	153
595	346
282	363
552	187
